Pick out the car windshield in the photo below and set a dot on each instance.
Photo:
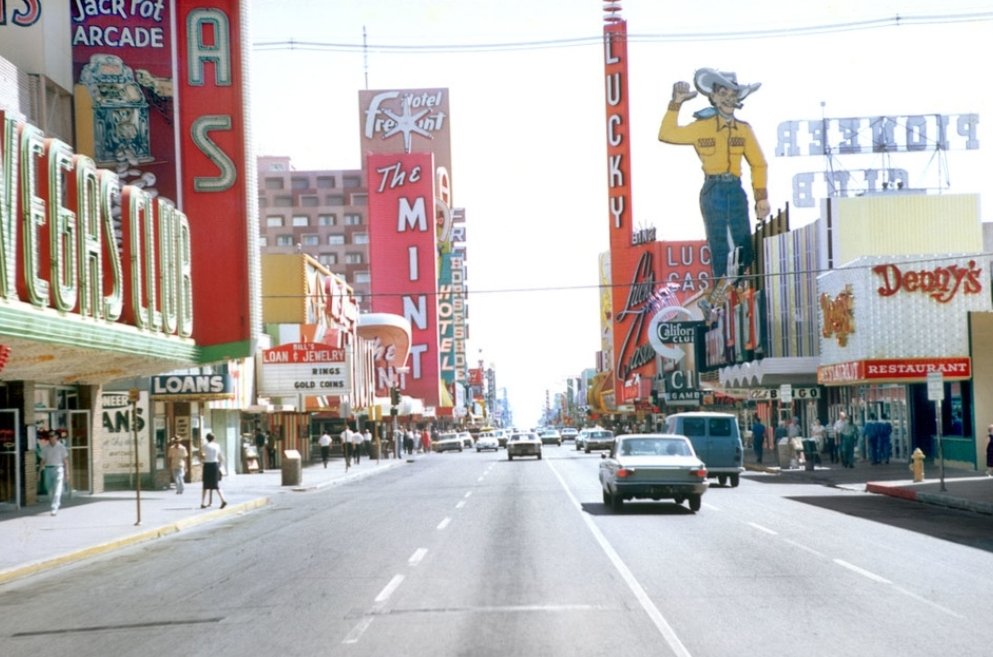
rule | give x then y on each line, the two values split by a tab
654	446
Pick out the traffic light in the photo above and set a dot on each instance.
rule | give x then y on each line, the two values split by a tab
395	396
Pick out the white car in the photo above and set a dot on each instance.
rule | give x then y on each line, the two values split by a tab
487	441
654	466
525	443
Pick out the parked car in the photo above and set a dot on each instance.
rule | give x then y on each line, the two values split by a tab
595	439
487	441
716	440
569	433
524	443
447	442
652	466
550	437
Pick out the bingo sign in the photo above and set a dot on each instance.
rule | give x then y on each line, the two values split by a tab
305	368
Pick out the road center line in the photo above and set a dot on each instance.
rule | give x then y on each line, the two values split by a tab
467	494
804	547
460	504
417	556
358	630
661	624
388	590
928	602
444	523
764	529
862	571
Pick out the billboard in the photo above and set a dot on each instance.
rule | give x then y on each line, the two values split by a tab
403	260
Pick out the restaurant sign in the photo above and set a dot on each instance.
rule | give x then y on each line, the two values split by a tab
906	370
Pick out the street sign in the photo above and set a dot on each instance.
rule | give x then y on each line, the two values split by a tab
935	386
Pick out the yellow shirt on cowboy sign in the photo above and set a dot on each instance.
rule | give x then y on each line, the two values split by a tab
720	144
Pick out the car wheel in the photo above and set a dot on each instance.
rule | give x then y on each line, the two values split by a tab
616	501
678	499
587	450
478	450
510	457
577	447
460	449
722	480
734	481
695	501
539	456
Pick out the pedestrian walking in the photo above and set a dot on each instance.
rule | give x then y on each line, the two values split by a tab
260	447
870	432
848	435
55	466
758	438
818	432
176	456
357	441
367	443
346	446
325	442
425	441
989	452
212	462
885	439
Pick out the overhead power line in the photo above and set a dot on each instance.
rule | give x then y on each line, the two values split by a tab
662	37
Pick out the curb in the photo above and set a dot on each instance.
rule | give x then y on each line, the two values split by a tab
35	567
350	476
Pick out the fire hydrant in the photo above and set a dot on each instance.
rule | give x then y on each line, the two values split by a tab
917	464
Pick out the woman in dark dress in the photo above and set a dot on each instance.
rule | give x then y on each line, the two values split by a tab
212	460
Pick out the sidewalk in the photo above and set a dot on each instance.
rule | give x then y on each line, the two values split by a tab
33	540
969	490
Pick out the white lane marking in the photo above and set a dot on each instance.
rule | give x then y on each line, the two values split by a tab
862	571
928	602
661	624
460	504
481	477
388	590
417	556
358	630
467	494
764	529
711	507
804	547
444	523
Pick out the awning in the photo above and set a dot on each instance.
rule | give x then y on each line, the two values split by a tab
771	372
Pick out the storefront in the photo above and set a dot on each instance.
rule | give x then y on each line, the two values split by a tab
886	324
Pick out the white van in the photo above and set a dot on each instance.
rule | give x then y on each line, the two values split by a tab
716	440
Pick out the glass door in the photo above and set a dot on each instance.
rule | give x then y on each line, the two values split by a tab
80	474
10	457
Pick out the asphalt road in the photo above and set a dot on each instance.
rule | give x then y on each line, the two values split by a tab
469	554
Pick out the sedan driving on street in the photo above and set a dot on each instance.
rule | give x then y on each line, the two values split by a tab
550	437
487	441
569	433
525	443
447	442
595	439
652	466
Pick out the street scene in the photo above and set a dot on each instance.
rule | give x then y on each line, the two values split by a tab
504	327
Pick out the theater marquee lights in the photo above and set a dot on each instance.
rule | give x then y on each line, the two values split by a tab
58	238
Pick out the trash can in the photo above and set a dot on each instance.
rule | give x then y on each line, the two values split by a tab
809	453
292	468
787	455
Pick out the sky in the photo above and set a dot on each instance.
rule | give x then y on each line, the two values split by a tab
526	83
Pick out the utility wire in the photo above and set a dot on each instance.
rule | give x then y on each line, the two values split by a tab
662	37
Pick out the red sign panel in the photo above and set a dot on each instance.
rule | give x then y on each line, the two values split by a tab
909	370
403	259
215	197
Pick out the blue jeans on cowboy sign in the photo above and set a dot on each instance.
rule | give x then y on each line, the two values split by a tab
724	207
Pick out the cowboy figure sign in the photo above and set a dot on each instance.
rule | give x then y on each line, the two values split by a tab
720	141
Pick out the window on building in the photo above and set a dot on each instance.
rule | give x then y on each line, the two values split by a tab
353	258
336	240
284	240
301	220
351	182
334	199
325	182
353	219
274	183
263	201
326	220
362	277
299	182
360	200
263	242
310	240
327	259
360	238
274	221
283	201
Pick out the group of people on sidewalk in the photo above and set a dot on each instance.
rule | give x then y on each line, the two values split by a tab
838	444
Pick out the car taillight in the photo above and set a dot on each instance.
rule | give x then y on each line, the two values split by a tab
624	473
699	472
